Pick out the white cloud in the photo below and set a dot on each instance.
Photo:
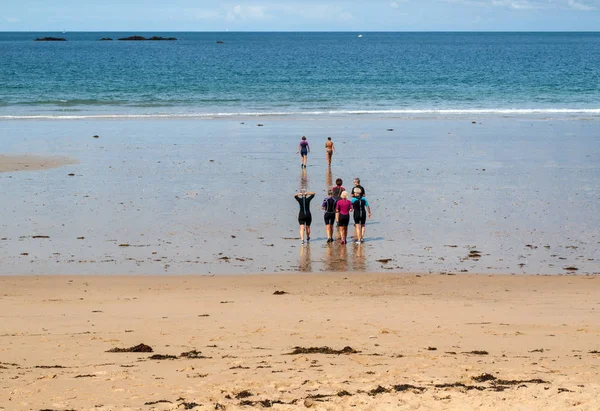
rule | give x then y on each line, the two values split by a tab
240	12
394	4
511	4
580	6
521	4
314	12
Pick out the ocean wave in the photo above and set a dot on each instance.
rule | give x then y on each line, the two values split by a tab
390	112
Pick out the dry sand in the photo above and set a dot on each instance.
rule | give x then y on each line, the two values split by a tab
31	162
420	342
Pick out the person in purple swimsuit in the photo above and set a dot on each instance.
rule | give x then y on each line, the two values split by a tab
303	149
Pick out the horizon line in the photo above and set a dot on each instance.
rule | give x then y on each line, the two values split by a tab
301	31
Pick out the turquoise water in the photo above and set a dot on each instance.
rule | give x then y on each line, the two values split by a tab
295	73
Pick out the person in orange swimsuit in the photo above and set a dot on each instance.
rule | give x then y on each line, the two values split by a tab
329	150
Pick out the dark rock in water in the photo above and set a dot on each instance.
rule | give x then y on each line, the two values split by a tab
133	38
220	42
140	38
162	38
105	39
96	136
50	39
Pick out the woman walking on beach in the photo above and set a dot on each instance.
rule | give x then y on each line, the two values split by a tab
303	149
329	150
338	189
361	208
342	215
304	217
329	207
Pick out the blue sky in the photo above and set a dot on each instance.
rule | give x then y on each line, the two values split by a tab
295	15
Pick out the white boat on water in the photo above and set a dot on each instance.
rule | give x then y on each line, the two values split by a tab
360	35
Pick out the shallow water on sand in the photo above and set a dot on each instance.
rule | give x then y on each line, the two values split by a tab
215	196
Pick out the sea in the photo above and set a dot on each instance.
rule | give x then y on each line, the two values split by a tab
228	73
479	152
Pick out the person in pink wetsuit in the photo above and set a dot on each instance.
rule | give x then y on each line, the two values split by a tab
342	215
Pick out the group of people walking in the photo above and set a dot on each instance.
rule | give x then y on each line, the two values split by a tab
337	206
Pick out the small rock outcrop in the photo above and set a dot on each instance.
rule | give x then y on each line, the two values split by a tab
220	42
105	39
132	38
140	38
50	39
162	38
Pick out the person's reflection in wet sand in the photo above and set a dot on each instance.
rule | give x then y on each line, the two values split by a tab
336	258
358	258
303	180
328	179
304	263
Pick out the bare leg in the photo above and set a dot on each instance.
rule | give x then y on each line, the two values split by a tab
363	227
341	233
302	232
357	231
308	232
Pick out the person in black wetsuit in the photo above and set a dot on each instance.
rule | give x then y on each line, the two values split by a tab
329	207
358	187
361	209
304	217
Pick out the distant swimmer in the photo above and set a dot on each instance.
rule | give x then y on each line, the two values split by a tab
329	150
303	149
342	214
361	209
304	217
329	207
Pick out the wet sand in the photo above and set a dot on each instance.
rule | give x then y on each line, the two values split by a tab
184	196
31	162
435	342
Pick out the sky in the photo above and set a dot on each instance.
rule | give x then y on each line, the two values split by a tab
296	15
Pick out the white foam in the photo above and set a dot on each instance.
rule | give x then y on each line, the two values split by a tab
417	112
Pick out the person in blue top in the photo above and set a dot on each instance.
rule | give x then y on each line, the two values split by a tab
361	209
303	149
304	217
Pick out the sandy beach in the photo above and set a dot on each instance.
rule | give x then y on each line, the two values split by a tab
323	342
31	162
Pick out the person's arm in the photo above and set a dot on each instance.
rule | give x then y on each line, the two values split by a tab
299	147
333	147
369	211
308	147
337	212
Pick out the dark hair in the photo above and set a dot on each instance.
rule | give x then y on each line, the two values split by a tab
303	138
328	138
338	182
357	180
